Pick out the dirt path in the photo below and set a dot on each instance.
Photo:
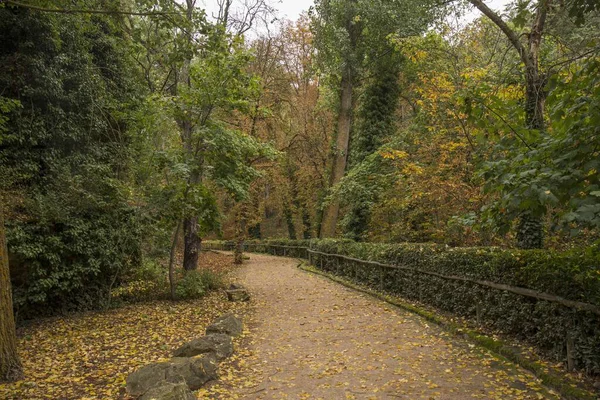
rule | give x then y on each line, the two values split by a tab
311	338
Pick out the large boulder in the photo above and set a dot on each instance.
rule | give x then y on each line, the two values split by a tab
218	344
228	324
169	391
194	372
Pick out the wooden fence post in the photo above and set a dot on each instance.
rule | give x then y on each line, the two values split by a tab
570	350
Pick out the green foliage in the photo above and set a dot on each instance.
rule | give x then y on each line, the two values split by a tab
191	286
182	173
71	228
212	280
560	171
149	270
375	125
360	191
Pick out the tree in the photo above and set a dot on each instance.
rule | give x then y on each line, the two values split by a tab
352	37
530	228
537	71
10	364
375	124
339	22
64	158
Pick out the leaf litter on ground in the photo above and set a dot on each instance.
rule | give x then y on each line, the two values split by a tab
89	355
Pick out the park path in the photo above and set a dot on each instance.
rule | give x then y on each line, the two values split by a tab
310	338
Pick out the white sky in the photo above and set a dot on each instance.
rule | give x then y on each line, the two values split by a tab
291	9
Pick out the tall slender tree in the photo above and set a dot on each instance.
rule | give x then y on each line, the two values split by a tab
339	21
10	364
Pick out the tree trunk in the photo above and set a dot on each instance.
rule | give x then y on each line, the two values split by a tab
192	244
172	259
530	230
289	220
10	365
331	213
238	254
192	241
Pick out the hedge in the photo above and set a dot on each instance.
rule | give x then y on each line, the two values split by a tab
549	326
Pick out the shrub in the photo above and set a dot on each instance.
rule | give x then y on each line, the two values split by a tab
211	280
191	286
150	270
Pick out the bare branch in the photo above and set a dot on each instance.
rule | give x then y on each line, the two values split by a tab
496	19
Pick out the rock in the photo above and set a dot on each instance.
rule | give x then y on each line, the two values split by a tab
228	324
237	292
194	372
169	391
237	295
218	344
147	377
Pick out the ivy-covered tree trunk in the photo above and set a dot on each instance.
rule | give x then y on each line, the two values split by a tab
289	220
530	229
10	365
306	223
344	120
331	213
375	123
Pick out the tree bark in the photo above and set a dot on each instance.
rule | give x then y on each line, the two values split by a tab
330	216
172	260
238	254
192	244
10	364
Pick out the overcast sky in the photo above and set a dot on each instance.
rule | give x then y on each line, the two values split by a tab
291	9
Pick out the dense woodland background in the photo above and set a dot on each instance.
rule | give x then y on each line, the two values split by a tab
132	129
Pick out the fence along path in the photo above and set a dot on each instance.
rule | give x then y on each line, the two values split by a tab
307	254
